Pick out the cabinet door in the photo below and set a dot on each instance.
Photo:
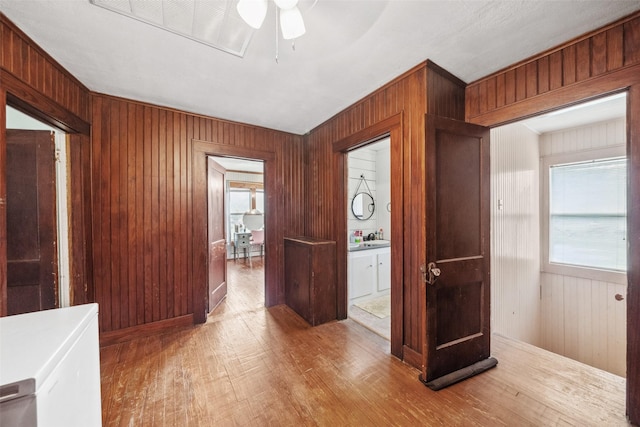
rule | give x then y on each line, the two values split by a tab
363	276
384	271
297	280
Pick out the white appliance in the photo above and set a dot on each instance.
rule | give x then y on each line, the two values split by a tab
50	368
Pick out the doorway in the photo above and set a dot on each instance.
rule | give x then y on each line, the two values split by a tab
369	256
558	301
242	233
37	216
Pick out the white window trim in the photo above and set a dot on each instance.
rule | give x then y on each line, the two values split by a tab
564	269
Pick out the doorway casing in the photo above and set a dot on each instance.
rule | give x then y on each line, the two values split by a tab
202	150
391	127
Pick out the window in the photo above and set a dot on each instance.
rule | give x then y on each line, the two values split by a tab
239	203
586	216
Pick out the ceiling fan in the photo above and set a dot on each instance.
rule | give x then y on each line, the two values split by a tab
253	13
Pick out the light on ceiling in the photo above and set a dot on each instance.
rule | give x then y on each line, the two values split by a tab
291	23
253	13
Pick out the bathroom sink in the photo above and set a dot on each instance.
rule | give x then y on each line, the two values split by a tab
369	244
376	243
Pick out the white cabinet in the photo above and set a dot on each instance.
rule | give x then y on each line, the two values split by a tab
384	270
369	274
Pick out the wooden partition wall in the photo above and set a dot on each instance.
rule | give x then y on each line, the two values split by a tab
425	88
145	270
33	82
602	62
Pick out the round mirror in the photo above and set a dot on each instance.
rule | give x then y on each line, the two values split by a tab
363	206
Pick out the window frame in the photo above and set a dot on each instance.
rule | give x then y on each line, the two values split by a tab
611	276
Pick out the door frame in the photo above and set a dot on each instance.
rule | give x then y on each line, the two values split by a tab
202	150
393	128
77	139
578	93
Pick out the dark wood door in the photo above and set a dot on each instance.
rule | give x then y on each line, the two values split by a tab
217	242
458	300
32	280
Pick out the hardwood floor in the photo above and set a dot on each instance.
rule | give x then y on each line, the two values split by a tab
251	366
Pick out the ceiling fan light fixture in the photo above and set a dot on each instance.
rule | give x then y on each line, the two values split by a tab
252	12
291	23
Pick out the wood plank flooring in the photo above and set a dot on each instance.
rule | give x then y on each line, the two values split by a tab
251	366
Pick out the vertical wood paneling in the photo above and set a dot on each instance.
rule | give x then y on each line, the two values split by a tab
25	60
510	85
521	83
583	60
424	89
515	237
595	55
599	54
532	79
131	215
143	198
569	65
632	41
543	75
555	71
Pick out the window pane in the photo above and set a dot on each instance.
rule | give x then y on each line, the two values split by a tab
587	224
239	201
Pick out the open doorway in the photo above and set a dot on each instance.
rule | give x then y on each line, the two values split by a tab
559	242
242	200
37	215
369	236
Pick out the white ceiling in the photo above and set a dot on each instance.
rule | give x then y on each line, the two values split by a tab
351	48
599	110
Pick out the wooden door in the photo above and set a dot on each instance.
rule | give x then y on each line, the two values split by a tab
32	280
458	300
216	232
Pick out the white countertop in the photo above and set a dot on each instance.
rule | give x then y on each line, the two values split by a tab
32	344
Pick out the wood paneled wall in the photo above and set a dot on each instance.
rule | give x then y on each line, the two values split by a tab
39	81
425	89
35	83
601	62
143	187
605	58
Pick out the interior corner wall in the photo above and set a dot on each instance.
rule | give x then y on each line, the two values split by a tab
515	233
143	196
404	96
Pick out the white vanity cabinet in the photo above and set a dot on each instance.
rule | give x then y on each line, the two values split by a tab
369	273
384	269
